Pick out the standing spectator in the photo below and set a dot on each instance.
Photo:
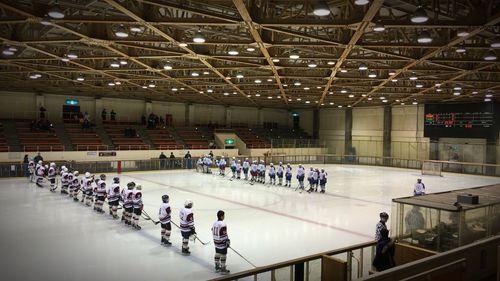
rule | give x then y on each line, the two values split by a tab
143	120
211	154
163	160
384	217
112	115
103	114
419	188
25	166
384	255
414	220
187	158
42	111
37	158
172	160
86	116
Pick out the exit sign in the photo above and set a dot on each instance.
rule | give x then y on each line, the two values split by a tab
72	102
229	141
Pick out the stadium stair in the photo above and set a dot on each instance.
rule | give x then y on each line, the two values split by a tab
10	134
139	129
106	140
63	137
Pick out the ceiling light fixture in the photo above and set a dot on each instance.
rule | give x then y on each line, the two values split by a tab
35	75
167	66
307	88
394	80
487	99
294	55
123	62
378	27
419	85
351	96
269	80
321	9
495	43
297	83
276	60
361	2
372	74
330	63
343	91
183	44
174	89
198	37
363	67
210	91
392	72
419	16
152	84
312	65
239	75
72	55
413	76
456	93
195	74
457	88
460	49
343	70
7	51
45	21
80	78
439	90
55	11
424	37
121	32
233	52
258	81
111	84
118	82
114	64
490	55
462	33
250	49
136	29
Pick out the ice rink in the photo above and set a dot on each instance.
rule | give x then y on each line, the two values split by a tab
47	236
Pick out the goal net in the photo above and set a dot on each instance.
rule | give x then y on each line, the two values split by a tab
432	168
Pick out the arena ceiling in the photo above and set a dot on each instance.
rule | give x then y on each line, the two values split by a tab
262	53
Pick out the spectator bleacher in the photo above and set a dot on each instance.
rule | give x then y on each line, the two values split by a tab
116	132
251	139
196	137
32	140
3	142
163	139
83	140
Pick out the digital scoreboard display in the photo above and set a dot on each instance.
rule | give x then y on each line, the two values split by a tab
477	120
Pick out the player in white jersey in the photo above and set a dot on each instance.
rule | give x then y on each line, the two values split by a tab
310	177
207	162
199	165
100	194
113	194
233	168
253	171
164	217
261	168
64	180
187	225
419	188
128	203
31	169
246	167
322	180
138	205
280	171
300	176
75	186
238	170
52	176
222	167
87	189
40	173
272	174
288	175
221	242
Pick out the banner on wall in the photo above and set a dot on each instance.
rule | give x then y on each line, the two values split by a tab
107	154
91	153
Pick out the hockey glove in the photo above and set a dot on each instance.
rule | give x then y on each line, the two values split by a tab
193	231
228	243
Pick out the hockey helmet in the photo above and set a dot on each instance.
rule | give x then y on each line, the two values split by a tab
76	174
312	168
220	215
271	164
40	162
234	157
165	198
322	169
281	163
131	185
188	203
239	161
65	169
246	159
46	166
102	177
52	164
87	175
116	180
138	187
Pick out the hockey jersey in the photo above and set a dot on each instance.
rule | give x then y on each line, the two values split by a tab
101	188
137	199
272	171
127	196
280	171
164	213
219	232
186	219
114	192
52	173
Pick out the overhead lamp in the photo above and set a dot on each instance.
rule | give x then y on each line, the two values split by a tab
167	66
378	27
414	103
55	11
363	67
490	55
495	43
258	81
80	78
487	99
195	74
318	87
330	93
121	32
270	97
182	89
233	52
394	80
488	95
369	98
257	95
351	96
294	55
308	101
65	59
285	85
474	92
235	93
174	89
392	72
456	93
152	84
312	65
297	83
183	44
384	100
210	90
269	80
206	72
114	64
460	49
228	77
45	21
276	60
437	84
462	33
239	75
413	76
372	74
331	103
118	82
35	75
343	70
343	91
402	103
226	94
339	106
250	49
307	88
111	84
198	37
7	51
419	16
419	85
72	55
299	99
424	37
321	9
361	2
439	90
457	88
330	63
136	28
249	96
123	62
144	86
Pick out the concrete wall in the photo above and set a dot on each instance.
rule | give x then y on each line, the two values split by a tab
332	129
306	120
368	130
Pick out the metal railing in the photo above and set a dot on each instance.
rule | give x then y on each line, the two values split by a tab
297	143
91	147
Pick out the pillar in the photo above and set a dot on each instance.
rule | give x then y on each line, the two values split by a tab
348	131
387	135
148	108
316	124
189	114
260	117
491	156
227	118
98	110
40	101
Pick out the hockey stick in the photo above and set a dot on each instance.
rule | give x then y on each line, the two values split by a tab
147	217
195	236
242	256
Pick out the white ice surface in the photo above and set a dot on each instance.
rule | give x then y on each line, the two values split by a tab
47	236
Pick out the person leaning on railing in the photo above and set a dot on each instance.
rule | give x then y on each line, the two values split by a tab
384	255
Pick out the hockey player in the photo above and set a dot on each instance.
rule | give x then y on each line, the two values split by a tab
113	194
31	168
187	225
208	165
261	169
322	180
221	242
199	165
100	193
52	176
87	189
272	174
128	204
288	175
246	167
238	170
40	173
75	185
164	217
138	205
280	172
233	168
419	188
300	176
253	171
316	179
64	180
310	177
222	166
71	177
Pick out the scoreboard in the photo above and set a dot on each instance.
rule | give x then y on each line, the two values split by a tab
477	120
